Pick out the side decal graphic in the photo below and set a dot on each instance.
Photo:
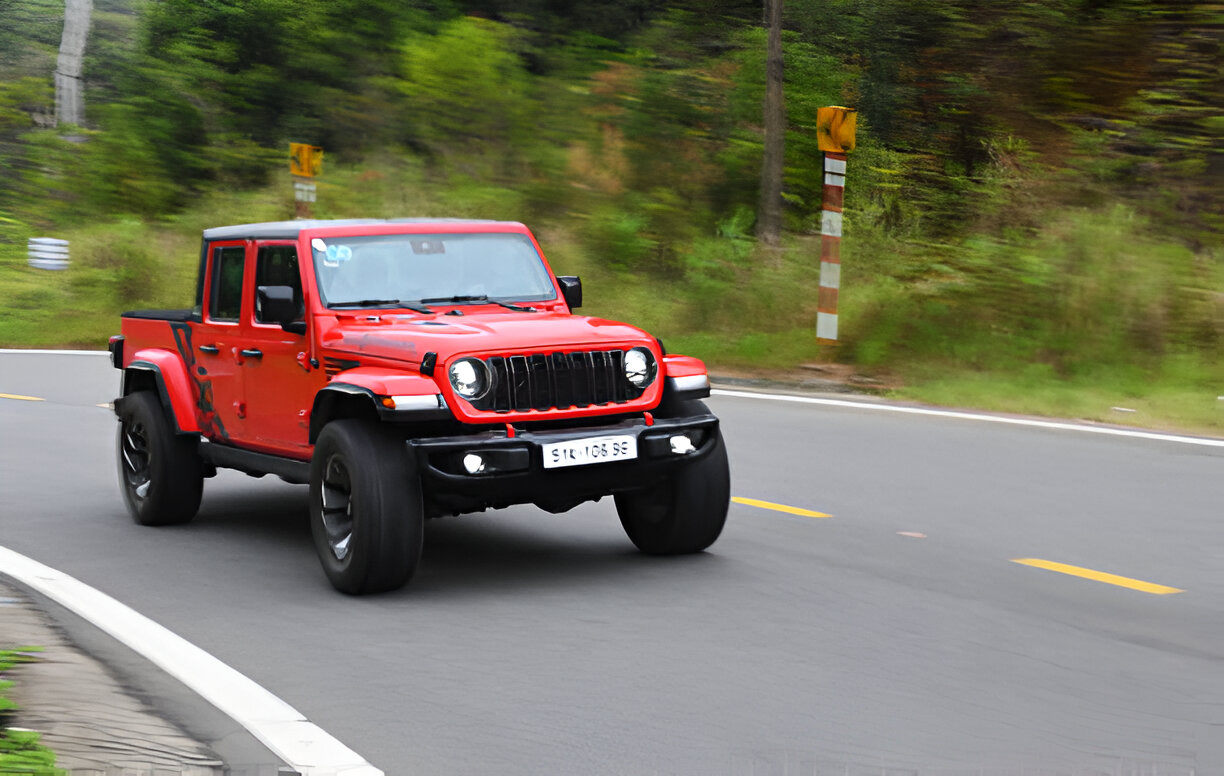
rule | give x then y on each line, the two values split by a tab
210	423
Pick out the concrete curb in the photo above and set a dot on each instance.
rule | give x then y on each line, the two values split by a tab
305	747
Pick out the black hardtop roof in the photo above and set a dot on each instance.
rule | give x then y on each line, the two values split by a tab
289	230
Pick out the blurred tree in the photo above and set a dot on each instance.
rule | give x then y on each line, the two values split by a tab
1169	137
466	88
269	70
769	211
606	18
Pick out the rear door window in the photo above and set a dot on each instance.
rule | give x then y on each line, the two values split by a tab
228	266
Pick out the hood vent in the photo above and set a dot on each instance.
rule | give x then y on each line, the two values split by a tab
333	366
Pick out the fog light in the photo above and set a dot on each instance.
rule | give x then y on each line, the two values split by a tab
473	463
681	445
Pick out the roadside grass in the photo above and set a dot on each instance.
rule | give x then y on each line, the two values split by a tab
1187	396
20	750
113	267
761	353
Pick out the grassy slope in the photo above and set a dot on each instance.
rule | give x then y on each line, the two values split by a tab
738	310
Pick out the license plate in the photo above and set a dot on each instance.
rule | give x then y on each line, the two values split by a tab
579	452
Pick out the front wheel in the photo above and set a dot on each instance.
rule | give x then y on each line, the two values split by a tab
683	514
366	513
160	472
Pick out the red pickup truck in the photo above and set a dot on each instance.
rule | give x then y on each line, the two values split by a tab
404	370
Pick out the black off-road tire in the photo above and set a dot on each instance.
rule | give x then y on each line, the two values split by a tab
160	472
683	514
364	485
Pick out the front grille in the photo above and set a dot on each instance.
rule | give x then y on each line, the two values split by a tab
543	381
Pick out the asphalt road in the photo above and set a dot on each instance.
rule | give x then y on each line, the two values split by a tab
531	643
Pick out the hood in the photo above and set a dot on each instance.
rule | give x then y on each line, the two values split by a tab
408	337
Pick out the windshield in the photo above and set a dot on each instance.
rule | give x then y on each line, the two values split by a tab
406	268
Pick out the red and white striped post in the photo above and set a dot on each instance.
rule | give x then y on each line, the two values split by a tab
830	247
835	136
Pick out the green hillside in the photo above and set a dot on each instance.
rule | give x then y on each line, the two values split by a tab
1034	209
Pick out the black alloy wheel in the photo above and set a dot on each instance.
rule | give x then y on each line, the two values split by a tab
367	516
160	472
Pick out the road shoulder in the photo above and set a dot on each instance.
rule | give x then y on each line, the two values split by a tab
83	711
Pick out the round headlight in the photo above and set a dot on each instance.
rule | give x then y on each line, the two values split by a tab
470	378
639	367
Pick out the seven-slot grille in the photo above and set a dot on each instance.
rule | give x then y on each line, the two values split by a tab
543	381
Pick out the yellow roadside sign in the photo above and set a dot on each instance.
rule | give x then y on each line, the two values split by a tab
305	160
835	129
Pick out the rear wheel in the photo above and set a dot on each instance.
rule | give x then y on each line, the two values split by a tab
160	472
366	514
683	514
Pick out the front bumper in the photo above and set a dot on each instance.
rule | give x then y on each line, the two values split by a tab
514	471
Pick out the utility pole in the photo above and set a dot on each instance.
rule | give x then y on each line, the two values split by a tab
769	212
69	99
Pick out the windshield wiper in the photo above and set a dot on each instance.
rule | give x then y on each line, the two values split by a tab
461	299
418	308
470	298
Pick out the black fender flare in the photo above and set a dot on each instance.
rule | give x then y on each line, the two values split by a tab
140	373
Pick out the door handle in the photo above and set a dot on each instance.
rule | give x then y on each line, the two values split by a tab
252	353
211	350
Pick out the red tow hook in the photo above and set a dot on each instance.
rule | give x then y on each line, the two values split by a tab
649	418
509	431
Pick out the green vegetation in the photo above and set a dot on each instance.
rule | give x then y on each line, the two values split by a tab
20	752
1033	211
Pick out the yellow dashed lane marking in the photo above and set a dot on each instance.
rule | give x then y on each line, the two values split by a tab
1099	576
751	502
19	397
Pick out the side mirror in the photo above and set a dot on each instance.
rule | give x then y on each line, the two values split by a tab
571	289
276	305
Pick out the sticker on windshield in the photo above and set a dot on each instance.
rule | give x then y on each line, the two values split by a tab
336	255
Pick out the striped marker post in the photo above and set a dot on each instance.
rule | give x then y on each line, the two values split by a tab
830	247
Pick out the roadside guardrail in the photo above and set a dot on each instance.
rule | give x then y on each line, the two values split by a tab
48	253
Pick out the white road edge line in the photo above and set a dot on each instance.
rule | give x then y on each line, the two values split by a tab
22	351
1051	424
303	745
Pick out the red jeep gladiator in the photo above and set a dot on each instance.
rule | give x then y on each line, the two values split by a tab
409	369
